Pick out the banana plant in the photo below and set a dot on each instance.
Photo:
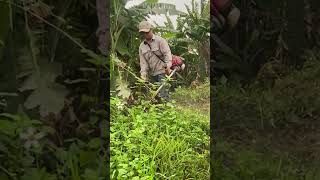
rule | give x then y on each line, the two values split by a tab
155	7
196	26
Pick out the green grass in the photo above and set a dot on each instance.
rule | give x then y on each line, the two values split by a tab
240	162
268	133
158	142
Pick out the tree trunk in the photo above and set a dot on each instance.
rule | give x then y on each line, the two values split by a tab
204	54
103	30
103	12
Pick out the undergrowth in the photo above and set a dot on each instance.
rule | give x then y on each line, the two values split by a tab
158	142
27	151
266	133
291	99
234	162
197	94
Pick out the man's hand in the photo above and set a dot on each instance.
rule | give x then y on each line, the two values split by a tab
178	68
167	70
143	77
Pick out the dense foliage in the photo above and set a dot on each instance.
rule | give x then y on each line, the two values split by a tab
158	141
52	122
270	131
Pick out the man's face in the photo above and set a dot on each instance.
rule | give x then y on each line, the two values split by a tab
146	35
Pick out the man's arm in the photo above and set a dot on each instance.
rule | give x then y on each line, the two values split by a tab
143	65
165	49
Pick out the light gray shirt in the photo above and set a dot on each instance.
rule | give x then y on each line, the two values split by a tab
149	62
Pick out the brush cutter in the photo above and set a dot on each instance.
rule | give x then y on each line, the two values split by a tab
158	90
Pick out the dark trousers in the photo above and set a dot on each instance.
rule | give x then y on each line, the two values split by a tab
164	92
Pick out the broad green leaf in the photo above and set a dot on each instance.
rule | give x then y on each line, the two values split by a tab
122	88
50	99
122	47
169	35
95	59
47	94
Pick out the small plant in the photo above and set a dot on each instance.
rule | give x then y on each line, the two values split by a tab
157	141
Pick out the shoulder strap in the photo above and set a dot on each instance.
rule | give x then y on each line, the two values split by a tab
153	52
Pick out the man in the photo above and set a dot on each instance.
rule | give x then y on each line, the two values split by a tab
155	57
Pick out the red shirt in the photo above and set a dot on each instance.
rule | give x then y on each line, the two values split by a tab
221	5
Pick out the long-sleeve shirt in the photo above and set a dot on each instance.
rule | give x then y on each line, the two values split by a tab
149	62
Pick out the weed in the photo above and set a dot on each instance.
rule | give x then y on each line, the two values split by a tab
158	142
